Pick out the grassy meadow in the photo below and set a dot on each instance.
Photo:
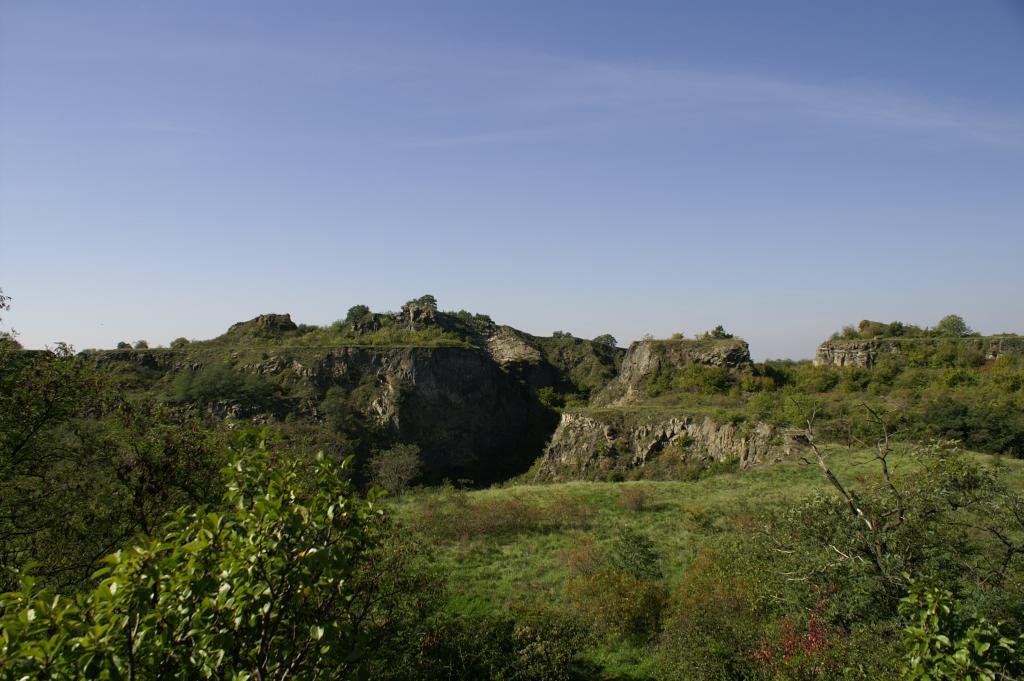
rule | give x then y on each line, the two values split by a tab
518	547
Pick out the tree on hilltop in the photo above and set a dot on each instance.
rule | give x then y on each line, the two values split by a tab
717	333
357	313
953	325
428	301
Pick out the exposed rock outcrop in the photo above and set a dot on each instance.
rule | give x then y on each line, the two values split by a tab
508	347
471	418
267	325
866	353
589	447
646	358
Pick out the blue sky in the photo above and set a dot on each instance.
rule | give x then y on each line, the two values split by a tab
781	168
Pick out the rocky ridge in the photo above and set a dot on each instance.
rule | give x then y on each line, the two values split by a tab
866	353
646	358
593	446
473	409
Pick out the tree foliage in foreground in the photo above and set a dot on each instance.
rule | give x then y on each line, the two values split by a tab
944	640
267	588
83	469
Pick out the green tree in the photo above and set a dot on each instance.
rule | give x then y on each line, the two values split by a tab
268	588
945	641
953	325
179	343
718	333
428	301
5	304
356	314
141	344
82	469
606	339
40	393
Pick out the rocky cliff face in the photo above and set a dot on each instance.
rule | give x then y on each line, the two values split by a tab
470	418
924	351
473	410
591	447
645	359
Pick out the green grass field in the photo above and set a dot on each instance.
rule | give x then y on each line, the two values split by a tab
511	547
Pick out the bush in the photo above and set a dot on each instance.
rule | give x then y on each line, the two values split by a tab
532	646
634	497
564	511
179	343
141	345
586	557
393	469
717	333
996	426
633	553
618	604
715	623
549	398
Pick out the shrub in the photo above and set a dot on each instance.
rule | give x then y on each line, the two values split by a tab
564	510
550	398
586	557
141	345
715	623
717	333
124	345
393	469
634	497
179	343
618	604
633	553
531	646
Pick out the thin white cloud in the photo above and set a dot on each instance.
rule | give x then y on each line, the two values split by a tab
599	91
